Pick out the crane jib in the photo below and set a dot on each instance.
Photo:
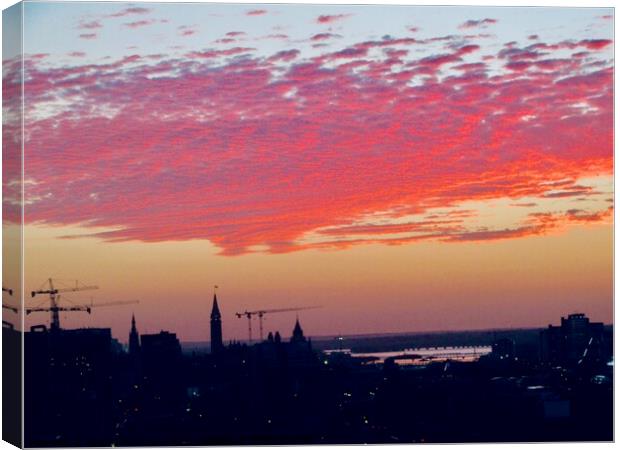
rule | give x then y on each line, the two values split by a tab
262	312
55	308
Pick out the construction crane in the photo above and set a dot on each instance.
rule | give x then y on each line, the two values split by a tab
54	308
86	308
9	307
262	312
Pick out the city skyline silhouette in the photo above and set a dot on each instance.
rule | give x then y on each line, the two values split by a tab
268	224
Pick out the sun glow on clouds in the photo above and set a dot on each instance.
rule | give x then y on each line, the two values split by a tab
472	220
288	147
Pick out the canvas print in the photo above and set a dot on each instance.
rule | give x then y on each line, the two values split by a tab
249	224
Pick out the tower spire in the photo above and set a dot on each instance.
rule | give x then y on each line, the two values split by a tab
215	310
298	333
134	338
216	325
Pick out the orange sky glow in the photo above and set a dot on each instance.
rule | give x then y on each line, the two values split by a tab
417	178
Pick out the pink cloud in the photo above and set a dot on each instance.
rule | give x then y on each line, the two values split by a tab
571	191
285	55
483	23
278	36
579	215
595	44
94	24
88	36
256	12
331	18
186	30
535	224
348	53
217	53
424	226
266	150
139	23
324	36
131	11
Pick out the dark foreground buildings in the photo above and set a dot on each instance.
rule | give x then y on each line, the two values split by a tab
575	341
83	390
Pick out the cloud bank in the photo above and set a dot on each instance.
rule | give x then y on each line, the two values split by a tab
369	143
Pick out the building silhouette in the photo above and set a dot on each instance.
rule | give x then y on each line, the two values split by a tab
81	390
11	384
161	346
161	361
575	341
216	328
294	354
298	334
68	385
134	338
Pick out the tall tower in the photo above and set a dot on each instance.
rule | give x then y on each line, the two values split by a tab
298	333
134	338
216	328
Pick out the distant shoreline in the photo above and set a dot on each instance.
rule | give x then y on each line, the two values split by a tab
399	333
526	338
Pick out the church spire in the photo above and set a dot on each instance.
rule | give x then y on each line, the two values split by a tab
134	338
216	327
298	333
215	310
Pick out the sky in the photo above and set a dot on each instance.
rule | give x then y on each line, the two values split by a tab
404	168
